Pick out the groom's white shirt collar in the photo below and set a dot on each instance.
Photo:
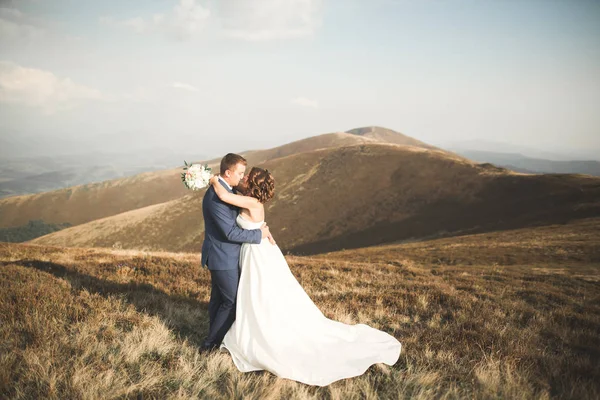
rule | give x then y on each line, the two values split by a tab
223	180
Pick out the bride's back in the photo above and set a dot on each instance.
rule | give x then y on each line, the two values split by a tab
256	214
244	222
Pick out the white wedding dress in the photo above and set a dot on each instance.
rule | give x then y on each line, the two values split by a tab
279	329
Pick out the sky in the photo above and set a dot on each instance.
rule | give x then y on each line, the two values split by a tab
233	75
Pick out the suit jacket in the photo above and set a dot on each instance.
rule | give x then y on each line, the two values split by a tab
222	237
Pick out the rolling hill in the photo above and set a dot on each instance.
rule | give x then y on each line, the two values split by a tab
84	203
362	195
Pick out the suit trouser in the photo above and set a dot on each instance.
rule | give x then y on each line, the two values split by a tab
221	307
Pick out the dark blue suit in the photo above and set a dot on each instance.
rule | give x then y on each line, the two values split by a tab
221	254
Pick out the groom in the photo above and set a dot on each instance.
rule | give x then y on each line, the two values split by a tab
221	250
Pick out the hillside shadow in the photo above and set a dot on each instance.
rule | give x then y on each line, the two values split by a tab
504	204
143	296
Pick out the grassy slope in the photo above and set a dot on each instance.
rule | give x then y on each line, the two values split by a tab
84	203
560	245
362	195
176	224
485	316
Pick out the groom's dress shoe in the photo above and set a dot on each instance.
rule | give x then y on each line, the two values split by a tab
208	349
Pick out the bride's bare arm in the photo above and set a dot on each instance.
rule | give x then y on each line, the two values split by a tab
234	199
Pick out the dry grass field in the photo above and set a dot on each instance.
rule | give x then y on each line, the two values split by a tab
510	314
83	203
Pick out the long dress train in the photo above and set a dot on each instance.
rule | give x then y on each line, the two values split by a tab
278	328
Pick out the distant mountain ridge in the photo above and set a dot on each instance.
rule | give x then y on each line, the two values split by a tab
521	163
30	175
563	154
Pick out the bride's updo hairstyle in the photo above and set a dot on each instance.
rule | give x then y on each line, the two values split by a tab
261	184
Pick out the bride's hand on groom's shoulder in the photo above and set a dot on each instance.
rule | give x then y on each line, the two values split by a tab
214	179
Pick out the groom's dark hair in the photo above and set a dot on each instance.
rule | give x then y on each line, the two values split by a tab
230	161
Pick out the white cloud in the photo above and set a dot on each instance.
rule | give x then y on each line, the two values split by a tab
184	86
304	102
256	20
137	24
38	88
15	25
250	20
185	21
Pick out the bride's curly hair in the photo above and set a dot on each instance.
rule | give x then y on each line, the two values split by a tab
261	184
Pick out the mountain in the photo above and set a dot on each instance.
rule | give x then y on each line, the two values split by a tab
370	134
83	203
527	151
521	163
362	195
389	136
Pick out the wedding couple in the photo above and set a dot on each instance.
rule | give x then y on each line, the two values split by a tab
258	311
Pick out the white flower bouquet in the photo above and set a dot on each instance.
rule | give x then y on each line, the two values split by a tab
196	176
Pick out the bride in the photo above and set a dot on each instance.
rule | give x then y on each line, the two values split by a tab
277	327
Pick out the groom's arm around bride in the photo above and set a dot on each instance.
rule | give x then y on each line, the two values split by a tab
222	235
